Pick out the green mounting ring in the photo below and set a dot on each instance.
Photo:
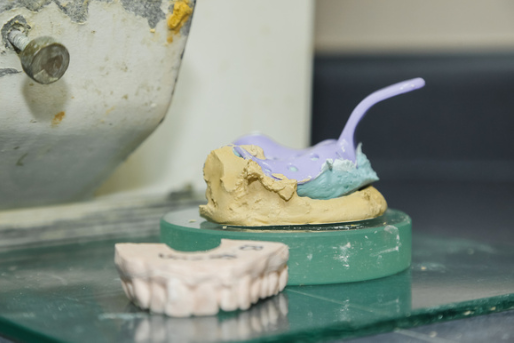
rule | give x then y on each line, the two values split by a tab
318	254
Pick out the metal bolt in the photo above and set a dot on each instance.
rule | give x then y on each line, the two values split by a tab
18	39
43	59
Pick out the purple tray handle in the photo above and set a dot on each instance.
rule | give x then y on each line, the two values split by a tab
305	164
347	138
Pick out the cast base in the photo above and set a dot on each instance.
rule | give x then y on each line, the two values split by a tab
318	254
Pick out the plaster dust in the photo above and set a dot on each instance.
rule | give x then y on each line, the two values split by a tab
239	193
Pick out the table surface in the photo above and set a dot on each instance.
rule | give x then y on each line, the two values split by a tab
72	292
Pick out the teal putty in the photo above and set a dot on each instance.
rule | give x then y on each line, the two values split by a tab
339	177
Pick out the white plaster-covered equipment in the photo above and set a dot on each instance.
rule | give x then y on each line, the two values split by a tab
59	141
232	276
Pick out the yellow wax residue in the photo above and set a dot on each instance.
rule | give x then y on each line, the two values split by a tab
182	11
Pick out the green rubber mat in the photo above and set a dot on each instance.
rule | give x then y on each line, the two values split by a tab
72	293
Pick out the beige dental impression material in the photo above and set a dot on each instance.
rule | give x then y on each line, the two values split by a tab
239	193
232	276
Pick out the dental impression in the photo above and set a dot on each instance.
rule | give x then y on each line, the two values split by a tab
233	276
258	182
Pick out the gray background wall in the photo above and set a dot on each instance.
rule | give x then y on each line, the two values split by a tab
444	153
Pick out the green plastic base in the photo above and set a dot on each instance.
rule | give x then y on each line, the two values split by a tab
319	254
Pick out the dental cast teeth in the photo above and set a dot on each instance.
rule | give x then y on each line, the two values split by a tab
233	276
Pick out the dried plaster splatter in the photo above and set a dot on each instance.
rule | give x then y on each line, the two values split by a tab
344	254
77	10
179	16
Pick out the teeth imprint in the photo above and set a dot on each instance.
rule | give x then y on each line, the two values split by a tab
255	290
243	292
273	283
283	279
264	287
166	281
229	301
158	299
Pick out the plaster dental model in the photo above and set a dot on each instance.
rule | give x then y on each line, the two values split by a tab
233	276
258	182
